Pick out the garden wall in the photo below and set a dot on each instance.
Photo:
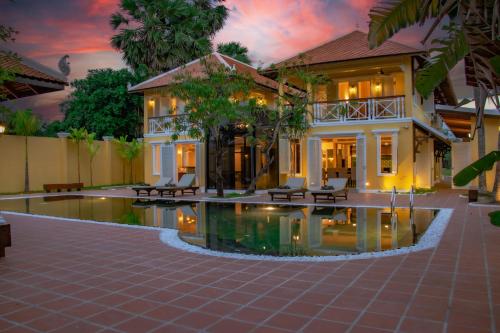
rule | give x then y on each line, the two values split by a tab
55	160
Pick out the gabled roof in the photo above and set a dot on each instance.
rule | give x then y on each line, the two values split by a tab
349	47
196	69
32	78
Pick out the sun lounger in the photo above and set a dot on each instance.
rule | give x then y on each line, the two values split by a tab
185	185
163	181
295	186
336	187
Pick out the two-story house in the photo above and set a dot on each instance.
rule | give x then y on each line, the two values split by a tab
368	123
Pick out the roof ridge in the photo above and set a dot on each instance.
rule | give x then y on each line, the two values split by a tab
344	37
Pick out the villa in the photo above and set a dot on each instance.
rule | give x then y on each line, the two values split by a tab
369	123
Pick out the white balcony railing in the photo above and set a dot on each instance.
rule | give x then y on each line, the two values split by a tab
360	109
158	125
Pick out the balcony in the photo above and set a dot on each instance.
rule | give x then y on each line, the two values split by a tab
374	108
160	125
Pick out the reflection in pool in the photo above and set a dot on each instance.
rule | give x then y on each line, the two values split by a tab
277	230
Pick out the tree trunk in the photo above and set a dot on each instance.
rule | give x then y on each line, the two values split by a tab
26	169
219	178
481	150
253	185
481	145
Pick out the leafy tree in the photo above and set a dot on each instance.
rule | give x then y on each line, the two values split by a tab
51	129
101	104
471	34
164	34
211	107
78	135
129	151
26	124
234	50
290	117
92	148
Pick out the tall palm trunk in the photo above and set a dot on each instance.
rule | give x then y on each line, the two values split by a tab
481	145
26	167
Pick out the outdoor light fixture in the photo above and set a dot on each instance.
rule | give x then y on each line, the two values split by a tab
2	129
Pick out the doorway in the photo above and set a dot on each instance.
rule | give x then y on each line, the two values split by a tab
339	156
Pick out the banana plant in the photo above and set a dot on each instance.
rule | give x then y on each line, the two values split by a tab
470	172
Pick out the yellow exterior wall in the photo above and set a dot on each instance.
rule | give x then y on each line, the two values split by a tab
401	67
404	177
54	160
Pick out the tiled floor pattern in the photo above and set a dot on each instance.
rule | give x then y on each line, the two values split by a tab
77	277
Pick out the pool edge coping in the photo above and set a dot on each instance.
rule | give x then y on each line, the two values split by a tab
429	240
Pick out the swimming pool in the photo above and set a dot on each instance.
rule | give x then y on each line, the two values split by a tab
256	229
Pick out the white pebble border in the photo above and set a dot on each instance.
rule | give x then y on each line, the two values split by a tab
430	239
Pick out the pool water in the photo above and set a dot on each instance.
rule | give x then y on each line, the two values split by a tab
277	230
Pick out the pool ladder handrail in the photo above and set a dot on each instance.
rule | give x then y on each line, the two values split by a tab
393	199
412	197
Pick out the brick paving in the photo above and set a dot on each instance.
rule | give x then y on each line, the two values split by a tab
79	277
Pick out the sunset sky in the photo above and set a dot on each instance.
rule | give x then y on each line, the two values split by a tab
271	29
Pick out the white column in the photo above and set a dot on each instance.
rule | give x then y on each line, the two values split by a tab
284	156
168	162
361	162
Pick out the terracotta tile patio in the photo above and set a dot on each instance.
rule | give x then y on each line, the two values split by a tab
78	277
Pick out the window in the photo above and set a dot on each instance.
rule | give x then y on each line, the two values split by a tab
343	90
387	153
364	90
156	160
295	157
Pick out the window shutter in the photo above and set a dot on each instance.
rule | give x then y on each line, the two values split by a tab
394	153
284	156
167	161
314	162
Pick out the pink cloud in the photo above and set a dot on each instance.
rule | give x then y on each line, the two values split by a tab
276	29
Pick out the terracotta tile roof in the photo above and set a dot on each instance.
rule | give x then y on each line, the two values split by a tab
31	77
195	68
30	69
349	47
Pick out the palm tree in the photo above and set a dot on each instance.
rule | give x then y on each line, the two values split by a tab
26	124
163	34
134	149
78	135
92	148
472	34
122	151
129	151
234	50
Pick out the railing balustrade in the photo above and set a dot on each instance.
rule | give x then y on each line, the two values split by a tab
162	124
359	109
